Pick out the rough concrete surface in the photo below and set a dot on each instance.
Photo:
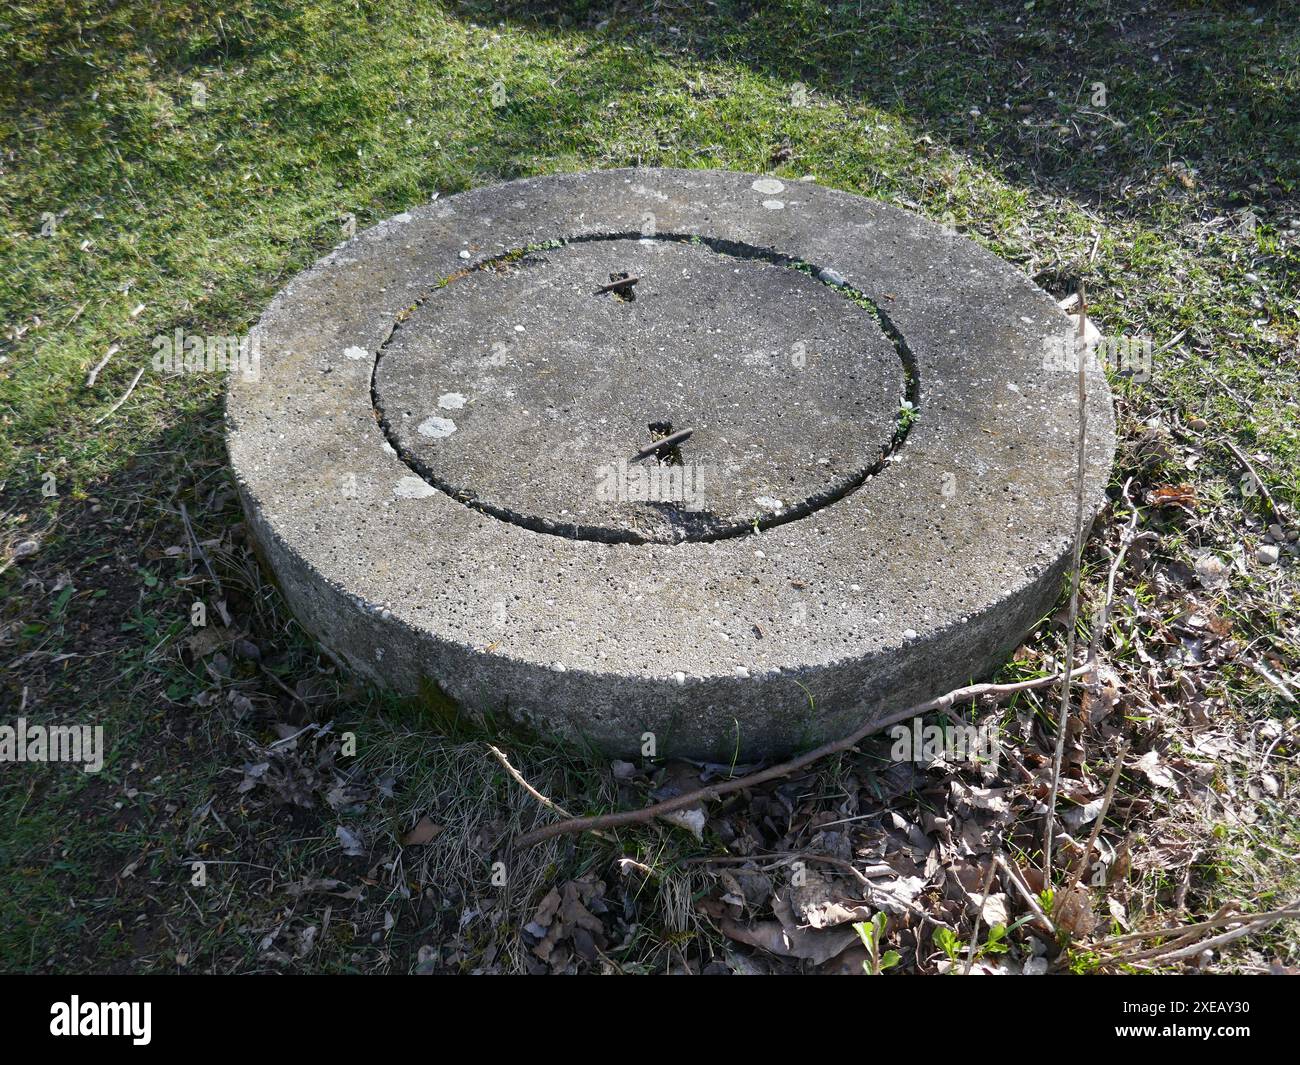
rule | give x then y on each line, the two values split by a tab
428	481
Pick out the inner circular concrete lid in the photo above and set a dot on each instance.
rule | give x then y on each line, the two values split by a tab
528	385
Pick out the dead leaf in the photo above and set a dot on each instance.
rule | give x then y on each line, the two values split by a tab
992	907
203	641
807	944
817	903
1170	495
310	884
1155	770
1072	912
851	962
351	842
692	819
424	832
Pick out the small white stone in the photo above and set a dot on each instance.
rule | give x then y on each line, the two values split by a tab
909	634
413	488
436	428
464	255
1266	554
26	548
355	353
679	677
451	401
768	186
774	205
741	671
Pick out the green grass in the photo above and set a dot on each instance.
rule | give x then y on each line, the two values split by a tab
194	156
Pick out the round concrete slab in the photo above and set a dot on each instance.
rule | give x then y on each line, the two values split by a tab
526	387
437	456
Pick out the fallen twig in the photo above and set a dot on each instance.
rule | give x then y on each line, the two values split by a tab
1172	952
714	791
1063	718
221	598
519	779
125	396
979	913
663	444
1277	682
618	284
1246	464
1221	918
1101	817
1018	882
1126	540
785	857
113	349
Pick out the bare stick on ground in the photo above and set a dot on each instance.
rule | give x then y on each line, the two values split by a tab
1063	718
203	555
519	779
1101	817
93	376
1018	882
979	912
714	791
1291	911
1127	539
1169	953
1249	467
125	396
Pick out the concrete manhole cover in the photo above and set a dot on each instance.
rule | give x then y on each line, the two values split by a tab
527	386
729	460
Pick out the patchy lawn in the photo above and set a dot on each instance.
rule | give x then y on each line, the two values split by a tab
171	165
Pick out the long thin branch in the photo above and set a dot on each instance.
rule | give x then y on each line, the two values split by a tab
1126	540
1063	717
1291	910
203	555
979	913
91	377
1101	817
519	779
1018	882
1168	953
714	791
1249	467
125	396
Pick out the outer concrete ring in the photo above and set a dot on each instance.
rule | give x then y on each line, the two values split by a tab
924	578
